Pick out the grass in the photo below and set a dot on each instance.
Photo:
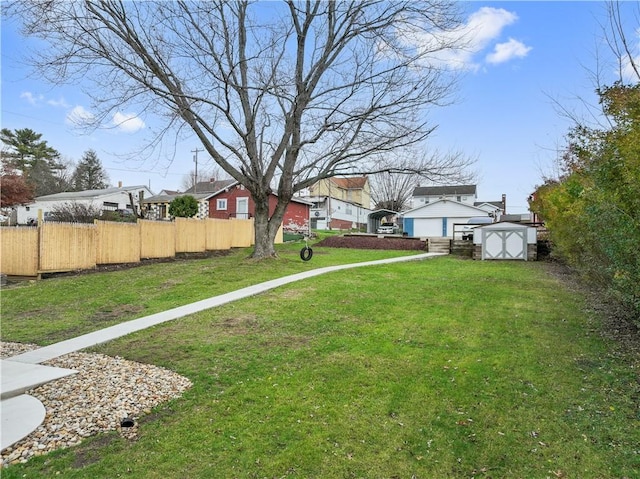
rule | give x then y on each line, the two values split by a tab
443	368
55	310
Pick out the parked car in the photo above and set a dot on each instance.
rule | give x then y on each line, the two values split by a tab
387	229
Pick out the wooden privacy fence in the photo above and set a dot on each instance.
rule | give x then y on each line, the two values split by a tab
55	247
19	253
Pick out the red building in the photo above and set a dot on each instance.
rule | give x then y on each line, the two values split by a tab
235	201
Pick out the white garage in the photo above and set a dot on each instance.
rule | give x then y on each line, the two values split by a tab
436	219
505	241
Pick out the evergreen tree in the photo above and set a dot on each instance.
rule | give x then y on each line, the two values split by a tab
89	174
24	150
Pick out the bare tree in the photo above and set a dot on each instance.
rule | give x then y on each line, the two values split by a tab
394	176
189	180
616	35
279	95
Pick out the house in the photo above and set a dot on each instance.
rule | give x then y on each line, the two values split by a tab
354	190
158	206
235	201
331	213
466	194
108	199
436	219
340	203
437	208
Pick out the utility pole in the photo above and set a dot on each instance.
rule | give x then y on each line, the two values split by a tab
195	158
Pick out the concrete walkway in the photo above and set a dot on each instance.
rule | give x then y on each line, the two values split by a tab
21	414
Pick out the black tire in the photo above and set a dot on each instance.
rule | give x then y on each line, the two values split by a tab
306	253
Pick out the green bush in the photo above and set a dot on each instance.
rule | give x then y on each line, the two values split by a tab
593	210
183	206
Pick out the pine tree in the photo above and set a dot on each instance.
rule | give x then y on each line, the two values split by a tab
89	174
25	151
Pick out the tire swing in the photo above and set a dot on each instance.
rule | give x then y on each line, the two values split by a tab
306	253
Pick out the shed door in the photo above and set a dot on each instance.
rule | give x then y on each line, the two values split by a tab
504	244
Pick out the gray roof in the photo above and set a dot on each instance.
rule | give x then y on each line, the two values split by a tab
497	204
444	190
76	195
210	186
170	198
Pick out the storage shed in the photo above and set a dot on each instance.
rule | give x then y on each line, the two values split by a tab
505	241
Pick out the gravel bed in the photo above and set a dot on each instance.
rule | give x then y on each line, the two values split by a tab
104	391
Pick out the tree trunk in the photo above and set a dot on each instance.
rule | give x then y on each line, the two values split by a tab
266	229
264	242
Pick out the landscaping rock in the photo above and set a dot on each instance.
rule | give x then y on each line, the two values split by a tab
103	392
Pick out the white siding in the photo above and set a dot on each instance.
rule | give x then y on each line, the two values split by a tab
429	219
120	198
449	209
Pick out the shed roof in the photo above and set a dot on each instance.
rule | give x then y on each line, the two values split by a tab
504	225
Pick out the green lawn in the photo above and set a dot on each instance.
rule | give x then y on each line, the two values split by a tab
431	369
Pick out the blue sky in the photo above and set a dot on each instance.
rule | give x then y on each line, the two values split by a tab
524	57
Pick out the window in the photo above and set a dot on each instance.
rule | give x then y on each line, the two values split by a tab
458	198
221	204
348	210
108	205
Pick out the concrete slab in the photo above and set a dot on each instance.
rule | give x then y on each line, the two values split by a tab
19	377
19	416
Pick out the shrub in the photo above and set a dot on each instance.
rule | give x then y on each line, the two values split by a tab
184	206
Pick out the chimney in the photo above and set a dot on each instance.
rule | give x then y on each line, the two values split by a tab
504	204
119	184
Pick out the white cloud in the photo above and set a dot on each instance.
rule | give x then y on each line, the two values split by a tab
482	28
485	25
60	102
629	74
79	116
503	52
31	98
127	122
